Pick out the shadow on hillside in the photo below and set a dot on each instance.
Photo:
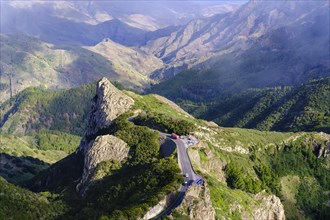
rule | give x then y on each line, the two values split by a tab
167	148
17	169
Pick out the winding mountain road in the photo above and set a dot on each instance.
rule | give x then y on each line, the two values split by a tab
186	167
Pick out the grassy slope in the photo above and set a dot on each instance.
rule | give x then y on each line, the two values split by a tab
37	63
22	157
36	108
226	144
18	203
237	146
234	145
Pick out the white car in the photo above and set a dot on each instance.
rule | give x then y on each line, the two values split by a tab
186	175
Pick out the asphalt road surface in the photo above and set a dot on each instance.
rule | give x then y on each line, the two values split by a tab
186	167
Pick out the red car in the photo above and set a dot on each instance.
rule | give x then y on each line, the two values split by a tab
175	136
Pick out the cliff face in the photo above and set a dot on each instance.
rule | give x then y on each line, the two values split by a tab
197	203
270	208
103	148
108	104
157	209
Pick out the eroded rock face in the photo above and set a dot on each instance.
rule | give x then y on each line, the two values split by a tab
109	103
106	147
322	150
270	208
197	203
210	164
157	209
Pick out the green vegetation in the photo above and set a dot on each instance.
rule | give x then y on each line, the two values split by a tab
20	169
56	140
262	160
119	190
300	108
237	180
18	203
150	103
303	108
117	198
256	160
37	108
162	123
25	156
297	158
225	199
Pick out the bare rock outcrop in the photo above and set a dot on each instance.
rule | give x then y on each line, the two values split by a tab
209	163
103	148
157	209
109	103
197	203
270	208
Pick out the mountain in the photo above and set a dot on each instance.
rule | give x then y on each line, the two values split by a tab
36	108
28	205
299	108
71	150
120	171
147	16
31	62
256	45
289	55
131	61
230	34
87	23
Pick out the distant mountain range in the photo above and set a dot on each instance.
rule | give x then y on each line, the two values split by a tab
31	62
216	52
271	26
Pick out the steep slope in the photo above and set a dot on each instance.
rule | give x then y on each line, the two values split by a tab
232	33
102	164
236	164
23	157
135	63
36	108
18	203
300	108
30	62
147	16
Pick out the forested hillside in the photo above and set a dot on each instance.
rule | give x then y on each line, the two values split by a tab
37	108
237	164
301	108
283	108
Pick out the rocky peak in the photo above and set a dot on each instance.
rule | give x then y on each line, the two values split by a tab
270	207
197	203
108	104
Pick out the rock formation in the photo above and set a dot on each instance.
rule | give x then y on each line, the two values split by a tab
197	203
157	209
103	148
108	104
270	208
